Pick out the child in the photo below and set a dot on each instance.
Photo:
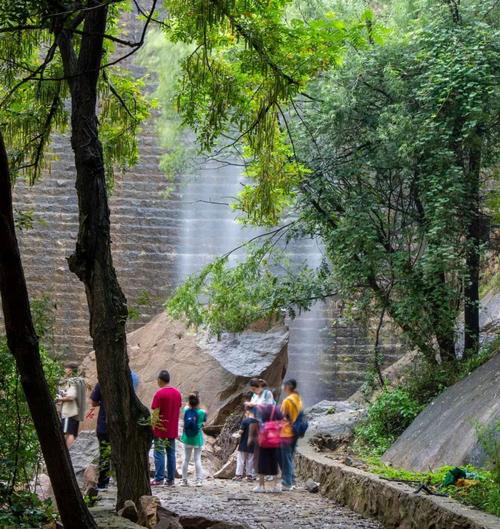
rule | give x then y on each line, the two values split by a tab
245	461
192	437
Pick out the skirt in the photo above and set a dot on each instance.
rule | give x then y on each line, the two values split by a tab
267	461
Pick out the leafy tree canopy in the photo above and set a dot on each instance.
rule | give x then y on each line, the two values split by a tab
250	62
34	87
391	146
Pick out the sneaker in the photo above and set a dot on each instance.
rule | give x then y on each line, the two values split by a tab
156	482
250	478
287	488
237	478
170	483
276	489
184	483
269	478
258	488
199	483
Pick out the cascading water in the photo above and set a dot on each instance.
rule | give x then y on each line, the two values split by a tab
208	228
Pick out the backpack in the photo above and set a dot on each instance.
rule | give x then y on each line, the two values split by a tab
191	427
300	426
270	433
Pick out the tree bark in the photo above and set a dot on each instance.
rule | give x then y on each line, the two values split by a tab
23	344
92	262
473	251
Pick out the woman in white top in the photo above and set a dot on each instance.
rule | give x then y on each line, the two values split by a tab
261	393
72	398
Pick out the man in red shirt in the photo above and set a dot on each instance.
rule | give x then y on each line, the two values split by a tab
166	406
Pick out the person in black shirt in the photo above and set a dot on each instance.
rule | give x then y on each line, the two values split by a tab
246	447
102	433
103	438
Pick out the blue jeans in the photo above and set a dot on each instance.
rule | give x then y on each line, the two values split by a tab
160	447
287	465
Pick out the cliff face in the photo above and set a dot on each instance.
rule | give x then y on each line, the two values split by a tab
157	241
145	228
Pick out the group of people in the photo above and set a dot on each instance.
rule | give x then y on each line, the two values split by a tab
267	437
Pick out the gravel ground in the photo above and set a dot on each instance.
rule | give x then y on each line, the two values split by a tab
230	501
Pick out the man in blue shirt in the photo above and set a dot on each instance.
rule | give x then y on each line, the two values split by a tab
102	433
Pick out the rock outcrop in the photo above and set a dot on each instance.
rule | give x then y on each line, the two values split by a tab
219	369
332	423
445	432
84	452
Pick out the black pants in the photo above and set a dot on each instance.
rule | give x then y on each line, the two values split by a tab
104	460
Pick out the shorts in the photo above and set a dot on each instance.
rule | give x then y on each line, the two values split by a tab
70	426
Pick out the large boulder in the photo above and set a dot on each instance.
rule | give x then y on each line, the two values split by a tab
84	452
219	368
445	432
332	423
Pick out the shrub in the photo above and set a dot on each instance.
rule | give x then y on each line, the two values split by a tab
484	494
387	418
20	454
19	448
23	509
489	438
426	381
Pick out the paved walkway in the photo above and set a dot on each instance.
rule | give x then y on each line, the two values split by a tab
230	501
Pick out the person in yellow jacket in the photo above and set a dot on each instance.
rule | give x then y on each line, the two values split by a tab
291	407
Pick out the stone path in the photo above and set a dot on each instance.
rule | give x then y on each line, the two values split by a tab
235	502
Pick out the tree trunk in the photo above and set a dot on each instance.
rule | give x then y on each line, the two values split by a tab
473	257
92	262
23	344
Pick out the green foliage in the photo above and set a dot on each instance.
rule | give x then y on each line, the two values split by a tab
229	298
489	438
144	299
19	448
249	62
43	313
163	59
387	418
122	111
425	382
389	146
394	409
484	495
20	455
34	88
24	510
375	160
